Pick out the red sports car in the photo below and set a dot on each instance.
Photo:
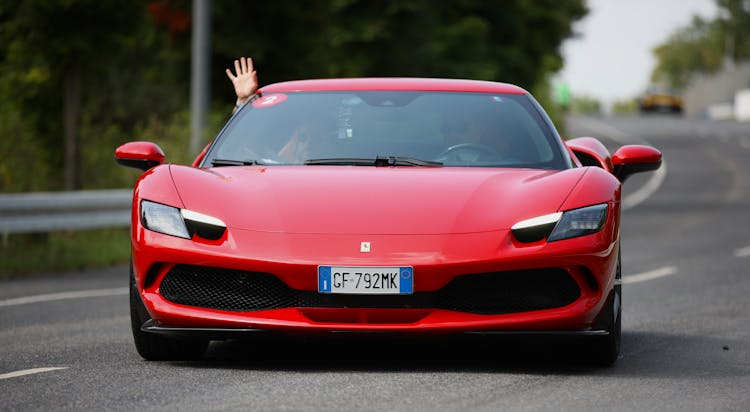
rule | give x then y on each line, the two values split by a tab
413	206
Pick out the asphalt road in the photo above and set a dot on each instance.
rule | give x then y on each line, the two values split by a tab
686	322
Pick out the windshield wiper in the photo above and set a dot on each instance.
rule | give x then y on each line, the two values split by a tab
408	161
342	161
230	162
378	161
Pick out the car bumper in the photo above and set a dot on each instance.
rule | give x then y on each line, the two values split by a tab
242	333
589	261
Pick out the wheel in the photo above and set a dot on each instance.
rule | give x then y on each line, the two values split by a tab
606	349
155	347
475	149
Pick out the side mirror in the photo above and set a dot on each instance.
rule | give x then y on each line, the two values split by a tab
140	155
633	159
591	152
201	155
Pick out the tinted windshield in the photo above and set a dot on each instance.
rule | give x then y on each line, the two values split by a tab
454	129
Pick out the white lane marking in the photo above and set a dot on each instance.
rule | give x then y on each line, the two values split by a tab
742	253
655	180
602	128
28	372
650	275
64	295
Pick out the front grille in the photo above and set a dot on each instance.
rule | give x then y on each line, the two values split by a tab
509	292
486	293
213	288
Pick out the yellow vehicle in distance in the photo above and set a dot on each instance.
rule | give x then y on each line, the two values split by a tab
660	100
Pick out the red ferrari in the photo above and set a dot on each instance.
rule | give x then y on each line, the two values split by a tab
411	206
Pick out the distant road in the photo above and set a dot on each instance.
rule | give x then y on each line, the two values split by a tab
686	332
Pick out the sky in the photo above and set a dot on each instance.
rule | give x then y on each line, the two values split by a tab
611	57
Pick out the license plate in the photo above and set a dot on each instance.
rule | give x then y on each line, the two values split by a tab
369	280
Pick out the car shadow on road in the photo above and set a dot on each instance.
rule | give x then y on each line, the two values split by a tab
644	354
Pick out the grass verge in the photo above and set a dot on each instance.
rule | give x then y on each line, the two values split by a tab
63	251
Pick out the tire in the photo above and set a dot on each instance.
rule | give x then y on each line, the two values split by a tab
155	347
606	349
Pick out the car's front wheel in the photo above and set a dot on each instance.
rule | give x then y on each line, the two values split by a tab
155	347
606	349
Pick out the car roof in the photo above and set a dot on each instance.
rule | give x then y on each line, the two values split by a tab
393	84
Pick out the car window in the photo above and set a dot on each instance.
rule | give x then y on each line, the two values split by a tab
456	129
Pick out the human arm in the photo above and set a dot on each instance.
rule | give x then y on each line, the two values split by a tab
296	149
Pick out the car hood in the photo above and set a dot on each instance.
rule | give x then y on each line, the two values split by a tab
372	200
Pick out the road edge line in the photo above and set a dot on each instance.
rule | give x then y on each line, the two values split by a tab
650	275
25	372
64	296
655	180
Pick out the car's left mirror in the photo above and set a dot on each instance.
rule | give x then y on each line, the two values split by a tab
635	159
140	155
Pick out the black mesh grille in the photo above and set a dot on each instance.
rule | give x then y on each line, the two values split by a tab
487	293
509	292
225	289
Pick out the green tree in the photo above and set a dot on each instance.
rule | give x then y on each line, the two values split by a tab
79	77
704	45
514	41
697	48
734	25
586	105
625	106
66	43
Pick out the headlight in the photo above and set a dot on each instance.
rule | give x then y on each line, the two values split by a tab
579	222
163	219
559	226
180	222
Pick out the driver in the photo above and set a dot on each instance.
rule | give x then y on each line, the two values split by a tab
457	128
468	138
245	82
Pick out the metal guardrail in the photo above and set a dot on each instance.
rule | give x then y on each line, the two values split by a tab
41	212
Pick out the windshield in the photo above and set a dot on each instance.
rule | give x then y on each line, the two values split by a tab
388	128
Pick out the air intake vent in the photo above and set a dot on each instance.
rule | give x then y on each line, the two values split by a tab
485	293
